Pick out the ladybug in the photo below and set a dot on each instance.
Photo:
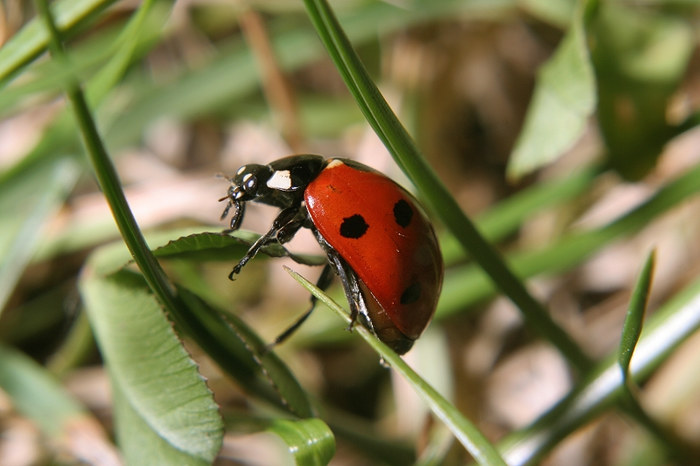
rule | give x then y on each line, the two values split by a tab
376	237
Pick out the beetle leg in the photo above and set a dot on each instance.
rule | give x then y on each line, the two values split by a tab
287	231
283	219
351	286
354	295
356	299
323	282
237	217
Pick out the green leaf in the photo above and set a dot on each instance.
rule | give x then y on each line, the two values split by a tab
632	327
242	354
223	336
140	443
158	381
640	57
468	435
557	12
564	99
226	247
309	440
207	246
176	403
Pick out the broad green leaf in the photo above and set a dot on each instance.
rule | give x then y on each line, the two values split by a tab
564	100
27	199
114	344
242	354
139	442
153	372
309	440
224	337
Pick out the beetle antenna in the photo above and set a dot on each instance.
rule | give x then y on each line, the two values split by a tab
226	177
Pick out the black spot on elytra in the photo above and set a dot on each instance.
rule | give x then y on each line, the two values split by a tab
353	227
411	294
403	213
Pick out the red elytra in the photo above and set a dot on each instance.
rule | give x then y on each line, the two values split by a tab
377	238
397	255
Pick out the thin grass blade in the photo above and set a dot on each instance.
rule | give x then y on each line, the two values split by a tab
632	327
466	432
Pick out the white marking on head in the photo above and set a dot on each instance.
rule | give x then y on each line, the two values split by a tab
246	178
241	170
334	163
280	179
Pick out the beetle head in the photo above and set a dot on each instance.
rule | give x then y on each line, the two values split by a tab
246	185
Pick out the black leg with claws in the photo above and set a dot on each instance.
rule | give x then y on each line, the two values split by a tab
287	223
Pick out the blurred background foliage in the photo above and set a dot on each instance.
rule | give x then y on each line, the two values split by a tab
565	129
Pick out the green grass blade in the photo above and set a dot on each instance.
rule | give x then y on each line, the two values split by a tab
32	192
396	139
632	327
631	332
143	353
107	176
509	214
32	40
142	29
36	394
570	250
677	320
27	199
467	434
